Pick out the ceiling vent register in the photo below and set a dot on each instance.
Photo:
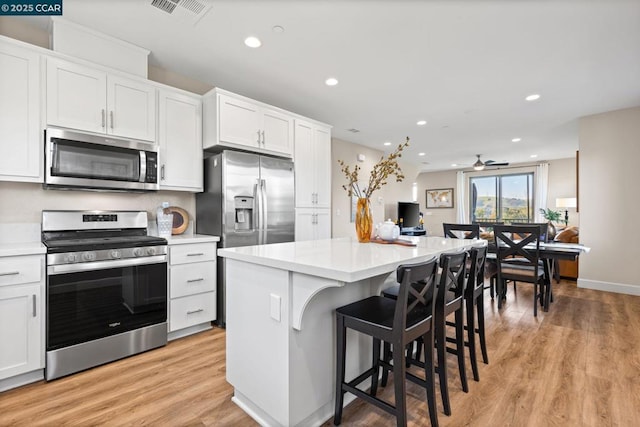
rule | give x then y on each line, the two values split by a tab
187	10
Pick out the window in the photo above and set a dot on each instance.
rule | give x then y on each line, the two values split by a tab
506	198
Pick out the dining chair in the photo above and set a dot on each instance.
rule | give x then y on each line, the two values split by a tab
523	242
461	231
398	322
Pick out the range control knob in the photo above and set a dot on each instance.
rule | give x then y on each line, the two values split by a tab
115	254
151	251
138	252
71	258
88	256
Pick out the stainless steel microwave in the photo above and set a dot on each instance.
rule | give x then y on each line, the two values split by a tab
89	161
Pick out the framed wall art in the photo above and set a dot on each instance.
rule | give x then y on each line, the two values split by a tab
439	198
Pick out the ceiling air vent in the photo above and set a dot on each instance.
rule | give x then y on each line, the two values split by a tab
186	10
353	130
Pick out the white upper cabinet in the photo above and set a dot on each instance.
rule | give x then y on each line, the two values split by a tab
312	164
85	98
180	138
20	127
237	122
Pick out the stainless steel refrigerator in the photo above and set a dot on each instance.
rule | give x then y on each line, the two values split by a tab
248	199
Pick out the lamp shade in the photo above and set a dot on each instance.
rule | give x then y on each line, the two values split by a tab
566	202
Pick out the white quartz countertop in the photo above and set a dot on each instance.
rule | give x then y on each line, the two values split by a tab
345	259
182	239
28	248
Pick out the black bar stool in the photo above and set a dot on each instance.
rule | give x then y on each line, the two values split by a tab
399	323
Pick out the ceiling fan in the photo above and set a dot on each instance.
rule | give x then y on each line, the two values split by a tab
480	165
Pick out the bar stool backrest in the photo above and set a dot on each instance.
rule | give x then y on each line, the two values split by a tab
414	305
452	278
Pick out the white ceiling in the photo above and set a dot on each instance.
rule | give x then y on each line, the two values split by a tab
464	66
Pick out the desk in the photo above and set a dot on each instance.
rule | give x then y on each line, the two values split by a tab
549	253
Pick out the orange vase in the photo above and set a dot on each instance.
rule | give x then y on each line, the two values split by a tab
364	220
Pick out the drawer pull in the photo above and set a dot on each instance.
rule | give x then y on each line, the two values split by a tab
33	300
196	254
10	273
195	280
195	311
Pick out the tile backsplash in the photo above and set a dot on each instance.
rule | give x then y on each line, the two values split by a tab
23	203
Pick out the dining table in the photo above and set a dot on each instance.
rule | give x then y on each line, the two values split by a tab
550	252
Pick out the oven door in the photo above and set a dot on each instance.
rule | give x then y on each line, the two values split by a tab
93	303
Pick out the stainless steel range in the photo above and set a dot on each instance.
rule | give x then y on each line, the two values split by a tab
106	288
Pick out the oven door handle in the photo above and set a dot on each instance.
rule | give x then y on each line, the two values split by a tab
103	265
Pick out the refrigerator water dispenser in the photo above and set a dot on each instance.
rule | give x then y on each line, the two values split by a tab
244	212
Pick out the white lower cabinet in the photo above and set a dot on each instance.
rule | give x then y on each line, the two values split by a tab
312	224
192	287
21	315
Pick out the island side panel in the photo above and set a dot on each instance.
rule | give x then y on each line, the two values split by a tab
312	348
257	344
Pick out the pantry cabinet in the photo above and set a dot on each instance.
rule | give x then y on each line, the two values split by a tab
20	127
85	98
233	121
180	139
312	224
312	165
21	314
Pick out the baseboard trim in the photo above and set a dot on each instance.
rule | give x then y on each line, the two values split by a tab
22	379
619	288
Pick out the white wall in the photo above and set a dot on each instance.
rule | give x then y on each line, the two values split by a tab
609	202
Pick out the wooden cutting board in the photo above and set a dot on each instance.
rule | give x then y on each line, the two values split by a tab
393	242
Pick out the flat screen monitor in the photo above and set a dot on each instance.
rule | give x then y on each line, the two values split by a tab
410	214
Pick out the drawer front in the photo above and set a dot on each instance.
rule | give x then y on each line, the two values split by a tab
192	310
196	252
16	270
189	279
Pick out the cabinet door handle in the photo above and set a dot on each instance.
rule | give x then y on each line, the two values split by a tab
200	279
33	301
195	311
111	117
10	273
196	254
258	136
263	138
162	172
103	118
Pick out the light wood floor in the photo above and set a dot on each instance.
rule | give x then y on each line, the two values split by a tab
577	365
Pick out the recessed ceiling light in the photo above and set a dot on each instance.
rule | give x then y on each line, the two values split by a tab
516	140
421	123
277	29
420	154
331	81
387	143
532	97
533	156
252	42
453	165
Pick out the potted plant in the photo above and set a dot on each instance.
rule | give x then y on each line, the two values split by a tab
551	215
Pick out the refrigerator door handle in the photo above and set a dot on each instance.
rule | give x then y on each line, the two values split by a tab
263	186
257	200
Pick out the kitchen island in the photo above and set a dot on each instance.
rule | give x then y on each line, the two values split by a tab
281	324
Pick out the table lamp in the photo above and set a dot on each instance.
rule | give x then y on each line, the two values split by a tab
566	202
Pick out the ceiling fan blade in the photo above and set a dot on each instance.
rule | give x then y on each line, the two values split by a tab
494	163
